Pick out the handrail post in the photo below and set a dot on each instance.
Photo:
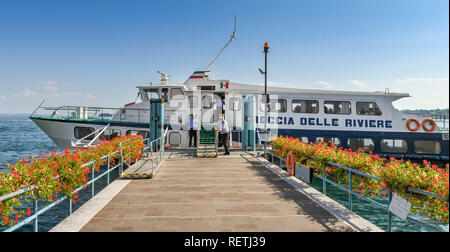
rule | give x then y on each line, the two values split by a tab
350	189
107	177
389	212
121	159
161	149
324	182
93	176
70	207
36	209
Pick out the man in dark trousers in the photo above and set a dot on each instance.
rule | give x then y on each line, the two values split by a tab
224	132
193	129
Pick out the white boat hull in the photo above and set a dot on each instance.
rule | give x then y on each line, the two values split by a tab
62	133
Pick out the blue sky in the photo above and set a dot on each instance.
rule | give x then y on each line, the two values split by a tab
95	52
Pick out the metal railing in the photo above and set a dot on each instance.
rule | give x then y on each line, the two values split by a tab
351	193
34	217
100	114
440	119
153	150
83	142
127	145
156	151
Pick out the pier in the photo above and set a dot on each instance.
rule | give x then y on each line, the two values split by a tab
236	193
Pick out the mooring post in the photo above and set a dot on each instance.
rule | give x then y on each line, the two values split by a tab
251	123
266	50
244	138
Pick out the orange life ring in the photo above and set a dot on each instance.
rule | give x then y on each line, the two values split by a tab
408	124
428	120
290	163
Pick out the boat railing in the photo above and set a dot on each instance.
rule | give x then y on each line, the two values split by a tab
349	189
85	142
98	114
442	120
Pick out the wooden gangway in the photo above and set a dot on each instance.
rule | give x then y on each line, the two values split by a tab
237	193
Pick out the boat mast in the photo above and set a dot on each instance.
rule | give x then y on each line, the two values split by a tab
229	41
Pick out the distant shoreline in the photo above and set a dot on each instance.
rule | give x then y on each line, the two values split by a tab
408	111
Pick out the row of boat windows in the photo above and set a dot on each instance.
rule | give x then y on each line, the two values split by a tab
386	145
279	105
329	107
297	106
108	134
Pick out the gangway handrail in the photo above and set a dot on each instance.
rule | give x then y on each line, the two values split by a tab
156	159
95	138
325	180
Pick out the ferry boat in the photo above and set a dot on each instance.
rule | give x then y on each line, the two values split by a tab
349	119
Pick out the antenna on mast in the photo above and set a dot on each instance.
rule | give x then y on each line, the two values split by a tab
229	41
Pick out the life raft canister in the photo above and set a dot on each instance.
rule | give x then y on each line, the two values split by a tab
290	163
425	123
408	124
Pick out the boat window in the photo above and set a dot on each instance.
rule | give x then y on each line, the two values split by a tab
143	95
207	102
176	94
275	105
329	140
394	146
305	106
175	138
109	134
235	104
152	94
427	147
367	108
365	144
303	139
80	132
193	101
165	94
337	107
143	133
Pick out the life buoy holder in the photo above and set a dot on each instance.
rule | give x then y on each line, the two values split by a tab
290	163
408	124
426	121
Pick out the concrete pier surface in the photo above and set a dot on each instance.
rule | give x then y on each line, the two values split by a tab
237	193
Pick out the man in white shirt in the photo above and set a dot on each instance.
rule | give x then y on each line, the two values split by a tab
224	132
193	128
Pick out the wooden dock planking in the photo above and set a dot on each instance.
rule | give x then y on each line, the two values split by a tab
223	194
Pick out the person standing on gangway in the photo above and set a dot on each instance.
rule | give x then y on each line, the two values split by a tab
224	132
193	130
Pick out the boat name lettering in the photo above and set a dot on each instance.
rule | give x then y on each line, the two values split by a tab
327	122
